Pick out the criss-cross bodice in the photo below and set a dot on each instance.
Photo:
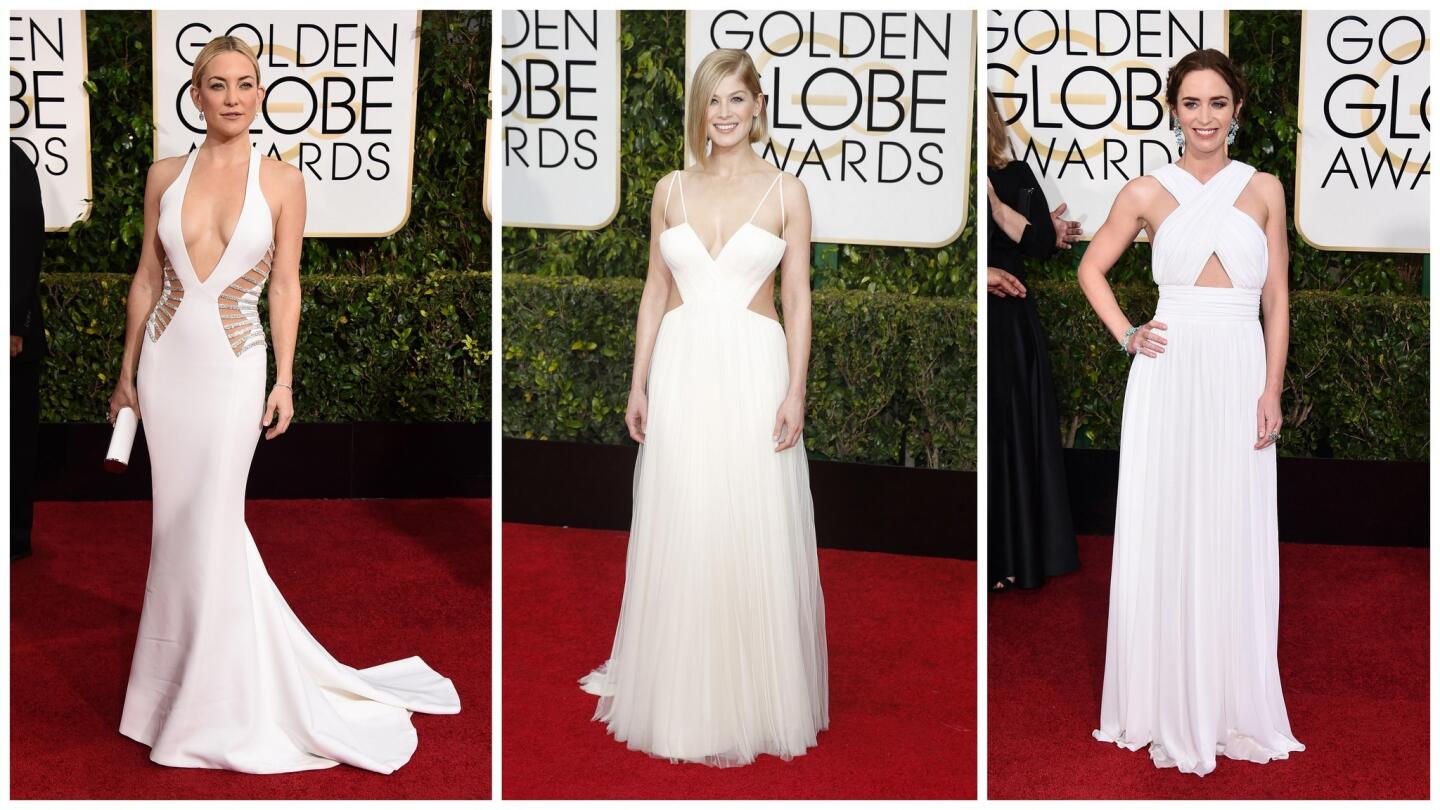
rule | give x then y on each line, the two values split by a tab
734	275
1207	222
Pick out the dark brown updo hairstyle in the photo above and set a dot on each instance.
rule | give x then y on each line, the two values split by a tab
1207	59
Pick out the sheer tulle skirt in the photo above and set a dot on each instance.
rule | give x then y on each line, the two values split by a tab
719	653
1190	661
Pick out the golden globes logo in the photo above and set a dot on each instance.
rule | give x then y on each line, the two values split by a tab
330	89
36	100
1382	108
860	102
551	96
1086	90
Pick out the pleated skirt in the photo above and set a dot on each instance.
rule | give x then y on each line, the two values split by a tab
719	652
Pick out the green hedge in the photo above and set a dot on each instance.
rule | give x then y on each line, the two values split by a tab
447	230
1266	45
652	135
892	377
372	348
1357	384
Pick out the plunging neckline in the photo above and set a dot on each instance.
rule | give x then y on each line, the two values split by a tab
715	258
244	203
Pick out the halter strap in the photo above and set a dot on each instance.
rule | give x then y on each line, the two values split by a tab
766	196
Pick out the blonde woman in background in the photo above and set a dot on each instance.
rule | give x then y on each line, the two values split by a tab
719	653
224	675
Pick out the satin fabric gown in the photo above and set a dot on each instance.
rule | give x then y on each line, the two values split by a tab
719	653
224	675
1190	660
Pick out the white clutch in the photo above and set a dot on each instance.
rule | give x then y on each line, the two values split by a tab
117	458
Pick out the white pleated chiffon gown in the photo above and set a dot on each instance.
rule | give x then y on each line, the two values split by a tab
719	653
224	675
1190	659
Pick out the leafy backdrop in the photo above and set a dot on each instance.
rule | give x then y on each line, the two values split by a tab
892	377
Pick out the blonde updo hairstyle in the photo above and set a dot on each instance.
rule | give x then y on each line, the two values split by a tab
712	70
214	48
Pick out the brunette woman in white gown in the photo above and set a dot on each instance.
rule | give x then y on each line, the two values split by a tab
719	653
1190	662
224	675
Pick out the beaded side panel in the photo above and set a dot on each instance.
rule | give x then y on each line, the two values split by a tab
171	293
240	306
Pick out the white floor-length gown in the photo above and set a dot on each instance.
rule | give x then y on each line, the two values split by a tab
719	653
1190	666
224	675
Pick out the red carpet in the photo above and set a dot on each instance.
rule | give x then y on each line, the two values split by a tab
1354	653
372	580
901	633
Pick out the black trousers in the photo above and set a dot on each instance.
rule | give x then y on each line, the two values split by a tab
24	450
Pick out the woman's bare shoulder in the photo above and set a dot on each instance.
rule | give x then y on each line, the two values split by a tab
163	172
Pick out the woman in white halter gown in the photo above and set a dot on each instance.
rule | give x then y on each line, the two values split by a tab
719	653
1190	666
224	675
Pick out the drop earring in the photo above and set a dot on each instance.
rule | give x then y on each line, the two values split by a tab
1179	135
1234	128
202	115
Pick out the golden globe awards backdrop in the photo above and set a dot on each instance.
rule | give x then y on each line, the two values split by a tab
339	104
560	114
1364	143
50	111
873	111
1083	95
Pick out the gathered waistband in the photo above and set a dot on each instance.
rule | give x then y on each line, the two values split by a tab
1188	303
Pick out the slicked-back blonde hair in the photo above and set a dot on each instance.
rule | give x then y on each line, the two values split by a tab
214	48
712	70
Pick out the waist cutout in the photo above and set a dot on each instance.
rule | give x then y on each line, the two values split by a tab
1183	302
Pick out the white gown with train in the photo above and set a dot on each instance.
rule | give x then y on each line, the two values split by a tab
1190	658
224	675
719	653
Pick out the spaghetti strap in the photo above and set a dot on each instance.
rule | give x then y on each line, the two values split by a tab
765	197
782	209
665	214
685	212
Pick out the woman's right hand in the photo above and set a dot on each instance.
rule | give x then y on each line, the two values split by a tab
1146	342
635	412
124	396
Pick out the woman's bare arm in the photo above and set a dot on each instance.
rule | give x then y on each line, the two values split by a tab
1110	242
795	299
146	285
1274	307
654	300
284	294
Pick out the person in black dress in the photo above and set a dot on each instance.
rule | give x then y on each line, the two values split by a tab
1030	532
27	344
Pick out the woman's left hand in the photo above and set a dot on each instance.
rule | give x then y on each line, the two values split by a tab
279	408
789	421
1267	420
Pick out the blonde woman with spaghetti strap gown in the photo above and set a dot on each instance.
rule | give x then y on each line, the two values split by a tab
224	675
719	653
1190	654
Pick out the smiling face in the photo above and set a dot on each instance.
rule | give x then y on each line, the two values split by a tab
732	112
229	93
1204	108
